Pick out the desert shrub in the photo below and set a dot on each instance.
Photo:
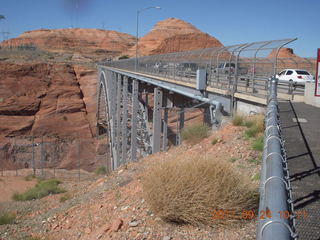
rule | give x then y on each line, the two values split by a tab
188	189
257	144
195	133
232	159
42	189
214	141
29	177
254	160
65	198
101	170
255	177
7	218
237	120
255	126
123	57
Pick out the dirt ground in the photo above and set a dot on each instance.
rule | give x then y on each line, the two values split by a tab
113	206
10	185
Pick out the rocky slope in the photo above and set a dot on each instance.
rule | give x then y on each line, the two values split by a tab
173	35
53	100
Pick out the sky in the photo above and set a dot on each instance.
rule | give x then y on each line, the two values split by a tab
231	22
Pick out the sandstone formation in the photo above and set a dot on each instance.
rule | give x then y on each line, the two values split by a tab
283	53
54	95
87	41
173	35
55	100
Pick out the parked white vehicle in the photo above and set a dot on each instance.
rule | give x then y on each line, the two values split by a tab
295	76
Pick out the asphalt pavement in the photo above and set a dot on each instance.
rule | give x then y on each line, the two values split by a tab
301	132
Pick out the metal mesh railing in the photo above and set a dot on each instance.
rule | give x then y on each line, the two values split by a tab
238	68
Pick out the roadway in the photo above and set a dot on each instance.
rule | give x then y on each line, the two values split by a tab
300	130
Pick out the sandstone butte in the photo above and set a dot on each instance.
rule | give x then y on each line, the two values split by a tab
283	53
58	100
173	35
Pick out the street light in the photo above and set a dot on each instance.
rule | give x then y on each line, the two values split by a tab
137	34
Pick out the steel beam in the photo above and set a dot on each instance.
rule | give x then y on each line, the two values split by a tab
167	103
135	106
156	135
124	119
118	121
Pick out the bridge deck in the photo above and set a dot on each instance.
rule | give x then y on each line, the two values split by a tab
300	124
243	92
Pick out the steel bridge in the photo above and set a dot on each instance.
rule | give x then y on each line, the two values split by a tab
135	96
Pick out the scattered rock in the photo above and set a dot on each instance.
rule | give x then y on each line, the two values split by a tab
133	224
166	238
116	225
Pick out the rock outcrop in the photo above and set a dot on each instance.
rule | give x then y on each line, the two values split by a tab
173	35
283	53
86	41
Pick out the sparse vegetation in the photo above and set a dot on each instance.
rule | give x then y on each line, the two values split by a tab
65	198
123	57
195	133
254	160
237	120
214	141
255	177
7	218
188	190
101	170
32	238
257	144
29	177
255	126
233	159
42	189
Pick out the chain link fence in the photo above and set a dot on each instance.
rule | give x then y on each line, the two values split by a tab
45	158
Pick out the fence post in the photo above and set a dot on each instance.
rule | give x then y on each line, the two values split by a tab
78	155
56	147
3	160
14	155
33	160
42	157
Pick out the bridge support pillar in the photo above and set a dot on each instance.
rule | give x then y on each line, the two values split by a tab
157	107
135	106
124	120
117	158
167	103
111	95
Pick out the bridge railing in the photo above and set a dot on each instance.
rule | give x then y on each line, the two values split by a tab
238	68
276	213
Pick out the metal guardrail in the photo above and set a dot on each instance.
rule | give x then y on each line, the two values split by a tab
276	214
243	68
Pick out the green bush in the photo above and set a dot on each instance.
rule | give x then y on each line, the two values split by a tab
7	218
42	189
195	133
123	57
257	144
101	170
214	141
